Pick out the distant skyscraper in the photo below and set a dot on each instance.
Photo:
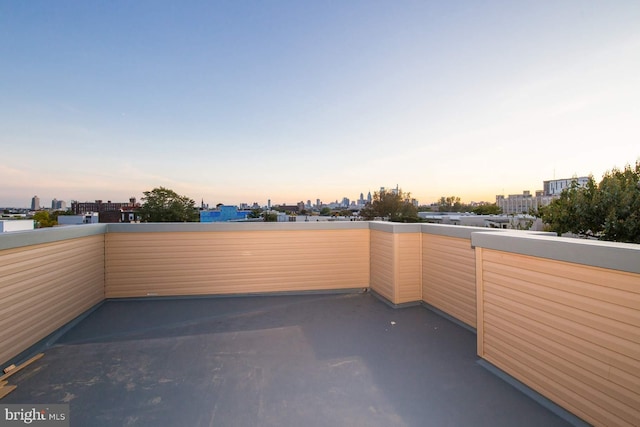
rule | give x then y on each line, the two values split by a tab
58	205
369	198
35	203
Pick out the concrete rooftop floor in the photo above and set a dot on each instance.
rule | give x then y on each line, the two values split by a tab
304	360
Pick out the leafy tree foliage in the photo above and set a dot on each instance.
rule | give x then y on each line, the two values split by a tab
397	207
344	212
270	217
450	204
255	213
165	205
326	211
43	219
609	210
487	209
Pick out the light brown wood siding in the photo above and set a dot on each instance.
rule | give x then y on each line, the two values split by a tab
395	266
383	264
409	267
449	276
187	263
43	287
569	331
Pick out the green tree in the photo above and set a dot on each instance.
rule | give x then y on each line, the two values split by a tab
326	211
270	217
575	211
164	205
255	213
396	206
487	209
518	223
618	203
450	204
609	210
43	219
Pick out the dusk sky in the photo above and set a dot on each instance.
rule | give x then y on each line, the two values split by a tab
242	101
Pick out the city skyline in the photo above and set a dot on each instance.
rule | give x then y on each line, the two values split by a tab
362	196
288	101
43	204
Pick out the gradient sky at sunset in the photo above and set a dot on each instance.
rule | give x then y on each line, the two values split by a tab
243	101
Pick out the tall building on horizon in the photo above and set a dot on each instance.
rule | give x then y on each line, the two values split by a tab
58	205
526	202
555	186
35	203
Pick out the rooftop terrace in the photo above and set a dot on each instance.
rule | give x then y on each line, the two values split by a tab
338	324
314	360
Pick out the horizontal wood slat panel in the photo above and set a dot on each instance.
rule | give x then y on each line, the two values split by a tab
578	367
33	288
44	259
586	395
553	389
548	306
43	287
590	342
570	331
458	284
409	266
574	289
181	263
457	270
449	304
457	291
382	264
593	357
614	279
449	276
